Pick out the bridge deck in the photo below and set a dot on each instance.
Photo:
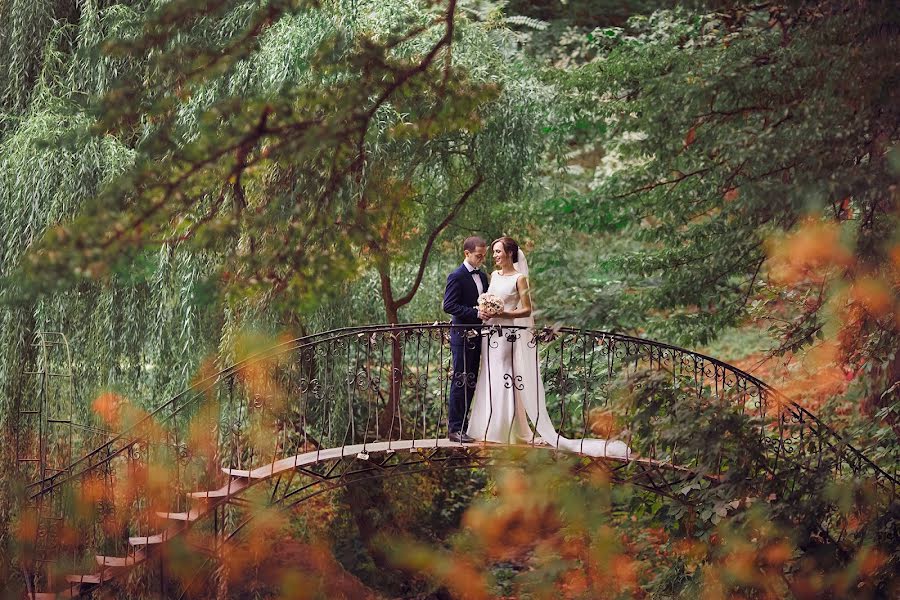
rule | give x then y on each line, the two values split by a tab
242	478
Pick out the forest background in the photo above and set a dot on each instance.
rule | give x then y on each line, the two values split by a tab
182	180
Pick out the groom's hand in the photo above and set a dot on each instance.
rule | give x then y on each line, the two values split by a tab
483	315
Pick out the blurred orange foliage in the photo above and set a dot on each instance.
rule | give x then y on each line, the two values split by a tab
807	252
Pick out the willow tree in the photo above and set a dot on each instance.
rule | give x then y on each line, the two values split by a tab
171	156
173	171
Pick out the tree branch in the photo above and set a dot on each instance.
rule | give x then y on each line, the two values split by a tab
406	75
759	265
433	237
171	186
656	184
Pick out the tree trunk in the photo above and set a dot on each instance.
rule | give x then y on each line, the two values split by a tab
389	422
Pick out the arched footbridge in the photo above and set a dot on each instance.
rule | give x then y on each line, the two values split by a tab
320	411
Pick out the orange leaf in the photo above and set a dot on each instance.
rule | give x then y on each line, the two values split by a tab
106	405
874	295
894	253
813	247
690	137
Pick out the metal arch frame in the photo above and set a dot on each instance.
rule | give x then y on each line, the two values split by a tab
464	457
652	476
340	472
50	435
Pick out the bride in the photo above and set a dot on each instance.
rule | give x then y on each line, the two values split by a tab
509	390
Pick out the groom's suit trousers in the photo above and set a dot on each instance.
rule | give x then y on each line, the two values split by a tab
466	360
460	298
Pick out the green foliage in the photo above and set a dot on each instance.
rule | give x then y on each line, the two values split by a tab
110	107
174	172
723	129
253	224
427	507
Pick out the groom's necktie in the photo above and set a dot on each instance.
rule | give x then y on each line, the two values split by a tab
476	275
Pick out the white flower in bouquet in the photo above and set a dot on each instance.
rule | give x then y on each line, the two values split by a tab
490	304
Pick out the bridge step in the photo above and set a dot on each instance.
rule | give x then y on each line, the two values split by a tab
93	578
147	540
73	591
190	516
230	488
241	473
120	561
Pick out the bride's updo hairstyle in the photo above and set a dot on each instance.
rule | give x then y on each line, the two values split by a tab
510	246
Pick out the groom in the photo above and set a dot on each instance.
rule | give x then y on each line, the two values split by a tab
464	285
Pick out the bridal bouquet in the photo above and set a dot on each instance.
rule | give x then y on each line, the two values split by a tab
490	304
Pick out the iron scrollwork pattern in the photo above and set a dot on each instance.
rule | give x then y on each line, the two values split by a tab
513	381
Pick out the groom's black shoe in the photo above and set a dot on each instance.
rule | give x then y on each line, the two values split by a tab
460	437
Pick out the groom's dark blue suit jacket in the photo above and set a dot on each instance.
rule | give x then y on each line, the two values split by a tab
460	297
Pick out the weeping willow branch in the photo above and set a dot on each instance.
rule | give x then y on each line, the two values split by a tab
432	237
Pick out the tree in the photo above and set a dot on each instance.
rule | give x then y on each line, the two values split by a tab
174	172
728	129
739	169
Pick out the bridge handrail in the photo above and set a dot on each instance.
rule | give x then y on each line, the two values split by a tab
198	387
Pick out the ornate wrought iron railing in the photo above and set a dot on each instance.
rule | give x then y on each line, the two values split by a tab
374	400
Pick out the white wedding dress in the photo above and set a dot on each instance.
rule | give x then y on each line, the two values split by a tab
509	391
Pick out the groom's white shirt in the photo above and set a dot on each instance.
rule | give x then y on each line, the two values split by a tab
475	276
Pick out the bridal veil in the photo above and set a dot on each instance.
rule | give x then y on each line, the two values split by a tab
531	393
